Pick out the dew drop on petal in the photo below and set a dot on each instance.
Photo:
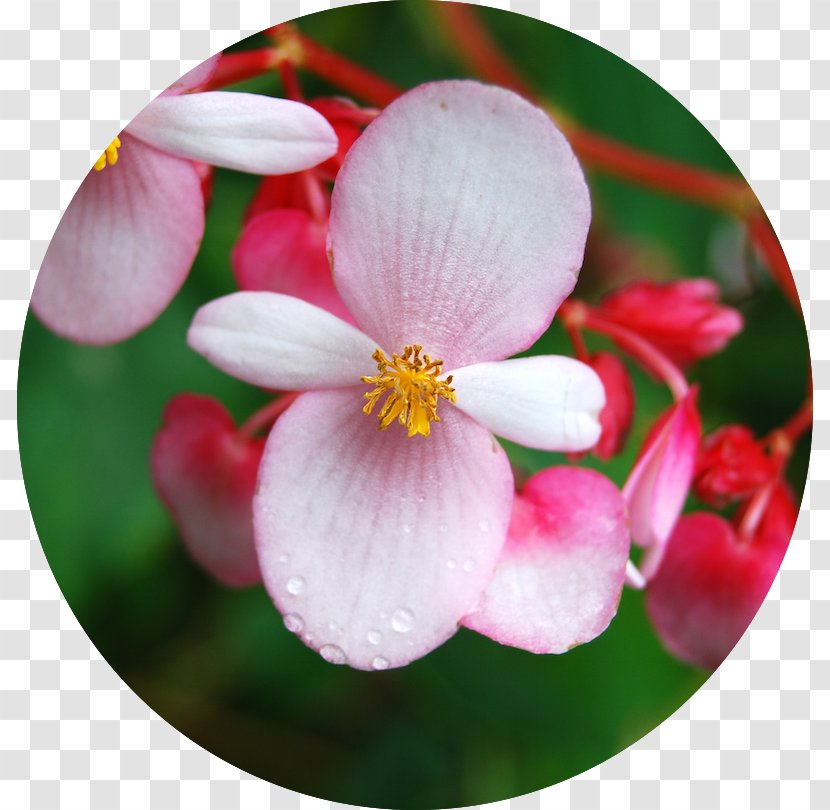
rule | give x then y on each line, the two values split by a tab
469	565
379	662
333	654
283	558
407	528
295	585
335	627
374	637
484	525
403	620
452	564
293	622
443	528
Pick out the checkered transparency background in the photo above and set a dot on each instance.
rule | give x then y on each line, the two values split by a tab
73	73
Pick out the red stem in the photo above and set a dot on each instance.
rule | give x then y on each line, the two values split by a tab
334	68
266	415
237	67
765	240
578	314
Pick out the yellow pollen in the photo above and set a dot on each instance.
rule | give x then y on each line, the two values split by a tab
109	157
413	387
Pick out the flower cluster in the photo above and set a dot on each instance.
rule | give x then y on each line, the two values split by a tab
391	265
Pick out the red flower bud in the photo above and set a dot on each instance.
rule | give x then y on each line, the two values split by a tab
615	418
731	466
205	473
681	318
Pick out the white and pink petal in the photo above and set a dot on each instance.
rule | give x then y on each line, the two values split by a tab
559	578
242	131
123	248
545	402
373	545
458	222
280	342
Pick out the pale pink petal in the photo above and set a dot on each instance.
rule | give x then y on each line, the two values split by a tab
280	342
546	402
206	473
373	545
123	248
195	78
284	251
559	578
657	487
458	222
242	131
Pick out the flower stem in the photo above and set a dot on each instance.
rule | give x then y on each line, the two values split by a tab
578	314
334	68
242	65
766	242
266	415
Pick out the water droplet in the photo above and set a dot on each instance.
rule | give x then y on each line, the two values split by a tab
452	564
309	637
295	585
420	499
443	528
402	620
469	565
283	558
407	527
374	637
383	615
333	654
484	525
335	627
379	662
293	622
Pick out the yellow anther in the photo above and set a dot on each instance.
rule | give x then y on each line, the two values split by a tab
109	157
413	388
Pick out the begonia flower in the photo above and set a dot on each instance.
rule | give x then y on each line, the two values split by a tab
130	234
683	319
731	466
711	582
560	575
618	412
205	472
458	226
657	487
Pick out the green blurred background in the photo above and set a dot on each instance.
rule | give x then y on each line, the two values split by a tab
472	722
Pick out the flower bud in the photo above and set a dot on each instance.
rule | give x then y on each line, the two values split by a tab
615	418
683	319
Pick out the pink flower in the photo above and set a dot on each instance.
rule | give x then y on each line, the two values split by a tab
657	487
205	472
458	225
559	578
683	319
711	582
128	238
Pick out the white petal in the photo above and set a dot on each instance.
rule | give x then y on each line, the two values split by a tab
546	402
276	341
376	544
242	131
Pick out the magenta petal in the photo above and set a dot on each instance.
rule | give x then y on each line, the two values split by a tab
374	545
709	586
458	222
657	487
206	474
284	251
123	248
559	578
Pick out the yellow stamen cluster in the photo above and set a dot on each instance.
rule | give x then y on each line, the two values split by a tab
413	387
109	157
